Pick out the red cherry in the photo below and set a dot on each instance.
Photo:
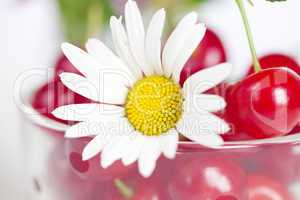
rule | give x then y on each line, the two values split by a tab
53	95
64	65
264	188
210	52
91	169
277	60
265	104
208	179
149	192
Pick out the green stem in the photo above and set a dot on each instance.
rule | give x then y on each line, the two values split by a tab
126	192
93	19
241	6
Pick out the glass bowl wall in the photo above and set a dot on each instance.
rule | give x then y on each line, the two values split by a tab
237	171
266	169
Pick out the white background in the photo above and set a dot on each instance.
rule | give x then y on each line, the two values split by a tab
30	36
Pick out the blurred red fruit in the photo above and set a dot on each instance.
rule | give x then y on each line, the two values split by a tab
277	60
264	188
208	179
210	52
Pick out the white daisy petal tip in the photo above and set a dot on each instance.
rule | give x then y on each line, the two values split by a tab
208	128
126	162
92	40
149	155
170	155
146	170
217	142
91	43
58	113
206	79
64	76
176	42
225	128
90	150
211	141
191	16
191	43
107	162
65	47
169	144
161	12
86	155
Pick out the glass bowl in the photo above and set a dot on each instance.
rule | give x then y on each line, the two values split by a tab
267	169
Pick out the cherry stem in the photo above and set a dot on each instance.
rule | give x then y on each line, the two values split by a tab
126	191
242	9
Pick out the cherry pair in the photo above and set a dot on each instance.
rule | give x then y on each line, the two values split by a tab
267	103
264	104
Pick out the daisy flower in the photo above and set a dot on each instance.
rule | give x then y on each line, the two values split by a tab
139	108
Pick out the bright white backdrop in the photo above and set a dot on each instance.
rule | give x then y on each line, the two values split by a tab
29	36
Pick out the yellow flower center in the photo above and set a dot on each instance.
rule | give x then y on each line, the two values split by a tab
154	105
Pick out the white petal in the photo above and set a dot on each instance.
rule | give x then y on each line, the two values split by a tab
132	152
103	54
206	79
106	57
198	102
175	42
91	128
136	35
149	155
204	122
81	85
169	143
153	40
206	139
203	128
113	150
95	146
113	129
191	43
110	88
122	47
89	111
84	129
113	89
81	60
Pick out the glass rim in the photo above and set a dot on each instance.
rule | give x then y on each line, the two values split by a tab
36	118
